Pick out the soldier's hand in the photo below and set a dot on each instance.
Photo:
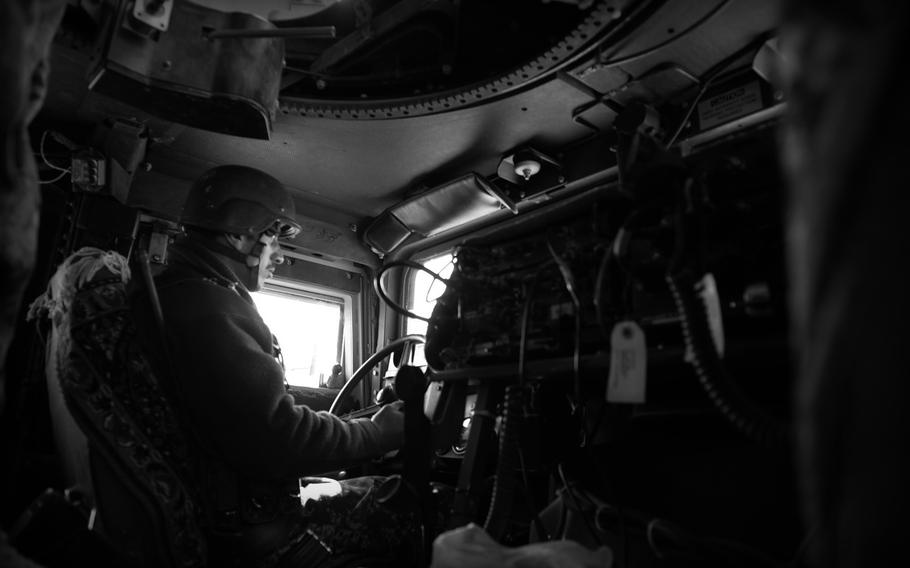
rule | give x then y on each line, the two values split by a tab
390	420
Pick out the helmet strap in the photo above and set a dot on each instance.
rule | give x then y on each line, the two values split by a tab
256	251
248	277
253	271
228	251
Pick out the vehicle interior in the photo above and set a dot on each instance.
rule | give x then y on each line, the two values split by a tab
556	229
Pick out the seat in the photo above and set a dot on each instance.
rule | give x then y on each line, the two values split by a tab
138	472
54	532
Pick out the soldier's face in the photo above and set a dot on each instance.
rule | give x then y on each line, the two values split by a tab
269	257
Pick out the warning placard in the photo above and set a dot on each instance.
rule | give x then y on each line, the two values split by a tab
729	105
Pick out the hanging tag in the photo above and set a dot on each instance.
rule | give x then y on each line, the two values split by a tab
628	362
707	290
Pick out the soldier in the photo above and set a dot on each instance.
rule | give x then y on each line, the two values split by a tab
231	390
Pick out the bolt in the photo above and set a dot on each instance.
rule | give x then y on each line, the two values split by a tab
320	84
166	64
353	227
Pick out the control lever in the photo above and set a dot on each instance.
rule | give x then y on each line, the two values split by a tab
410	384
386	395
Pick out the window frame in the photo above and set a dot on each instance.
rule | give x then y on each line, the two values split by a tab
290	289
353	335
409	285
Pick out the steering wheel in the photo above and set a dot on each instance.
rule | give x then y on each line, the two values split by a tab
363	370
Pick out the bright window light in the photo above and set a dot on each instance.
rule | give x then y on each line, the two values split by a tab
425	290
309	331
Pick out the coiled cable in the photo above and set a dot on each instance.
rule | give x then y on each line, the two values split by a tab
504	484
723	392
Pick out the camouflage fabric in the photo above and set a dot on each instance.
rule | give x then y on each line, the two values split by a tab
352	529
119	406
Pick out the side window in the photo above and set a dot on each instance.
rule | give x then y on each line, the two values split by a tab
310	330
423	291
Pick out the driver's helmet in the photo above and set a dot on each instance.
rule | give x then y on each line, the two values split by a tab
241	201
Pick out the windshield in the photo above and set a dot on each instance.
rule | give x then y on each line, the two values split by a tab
424	290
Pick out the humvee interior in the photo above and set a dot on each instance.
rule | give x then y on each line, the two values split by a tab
563	232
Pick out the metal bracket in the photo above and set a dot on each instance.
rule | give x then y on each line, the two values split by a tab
155	13
158	243
160	237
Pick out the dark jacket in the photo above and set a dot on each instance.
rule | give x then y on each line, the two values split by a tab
231	386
